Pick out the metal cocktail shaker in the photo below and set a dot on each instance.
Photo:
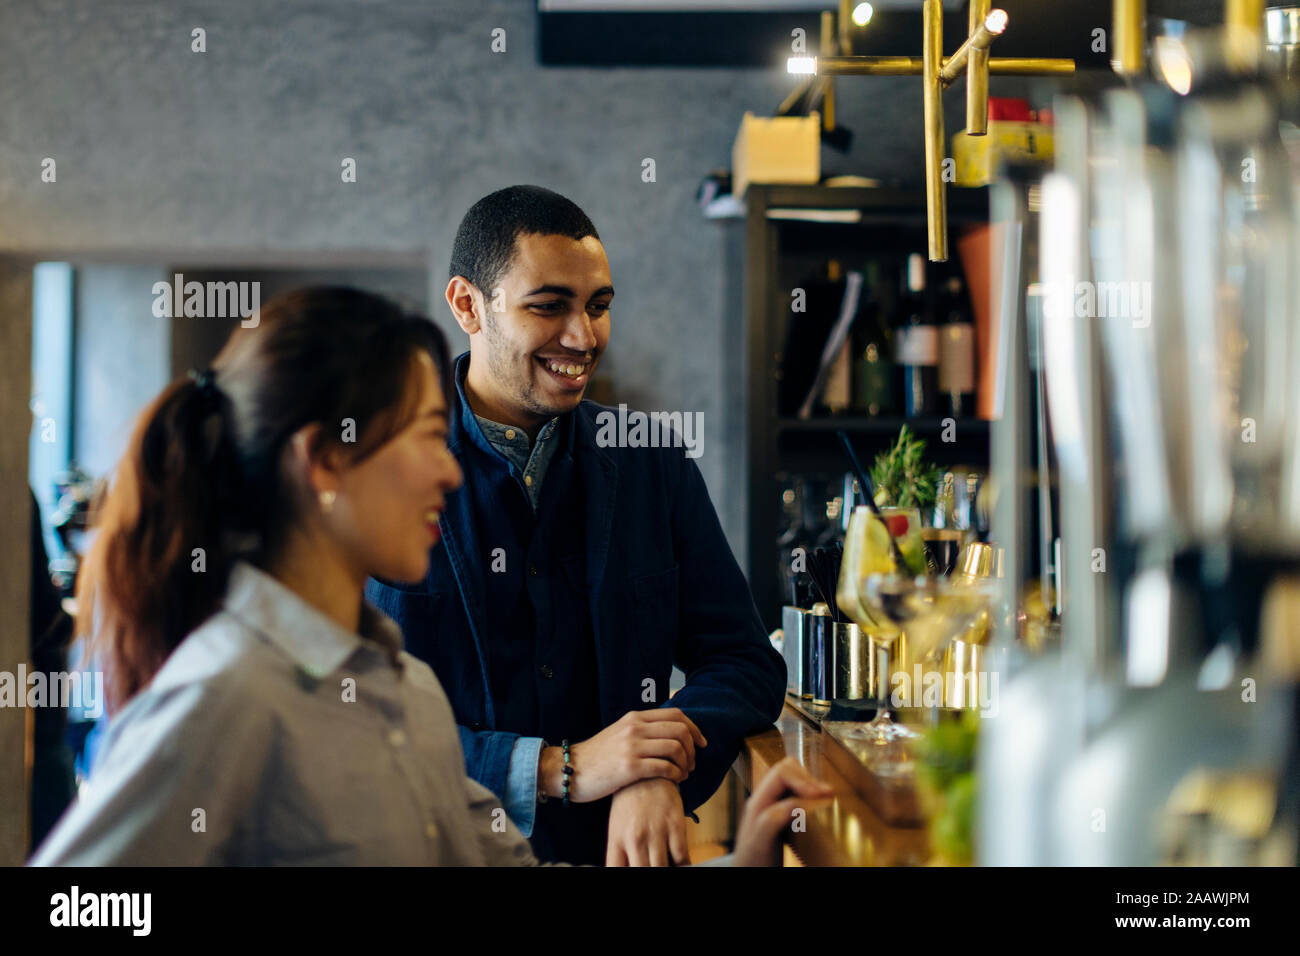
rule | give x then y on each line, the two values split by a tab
794	622
821	654
853	662
1282	40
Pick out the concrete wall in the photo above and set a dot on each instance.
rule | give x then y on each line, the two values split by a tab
15	518
162	149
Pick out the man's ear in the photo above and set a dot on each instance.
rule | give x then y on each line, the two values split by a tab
466	304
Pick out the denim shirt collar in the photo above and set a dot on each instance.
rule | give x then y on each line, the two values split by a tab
512	442
468	425
465	424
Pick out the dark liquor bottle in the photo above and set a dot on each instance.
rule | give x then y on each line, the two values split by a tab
957	353
916	348
873	366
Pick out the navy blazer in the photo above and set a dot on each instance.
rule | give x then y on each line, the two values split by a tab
664	589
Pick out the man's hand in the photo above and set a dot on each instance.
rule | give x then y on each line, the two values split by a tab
647	826
640	745
770	810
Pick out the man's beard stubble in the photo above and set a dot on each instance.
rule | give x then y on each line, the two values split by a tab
519	389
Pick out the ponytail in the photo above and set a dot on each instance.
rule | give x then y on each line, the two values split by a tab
161	557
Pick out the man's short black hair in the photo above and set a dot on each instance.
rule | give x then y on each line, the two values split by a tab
485	241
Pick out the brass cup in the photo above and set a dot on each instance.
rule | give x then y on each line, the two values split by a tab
962	663
854	663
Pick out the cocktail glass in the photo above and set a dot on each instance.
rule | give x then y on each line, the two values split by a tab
867	553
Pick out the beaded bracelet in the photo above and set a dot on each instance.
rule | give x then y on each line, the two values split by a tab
568	770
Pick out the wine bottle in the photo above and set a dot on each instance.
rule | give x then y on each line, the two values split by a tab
917	345
873	367
957	353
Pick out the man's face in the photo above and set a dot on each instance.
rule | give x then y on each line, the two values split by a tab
543	346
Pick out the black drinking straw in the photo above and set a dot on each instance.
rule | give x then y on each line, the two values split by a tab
815	573
869	492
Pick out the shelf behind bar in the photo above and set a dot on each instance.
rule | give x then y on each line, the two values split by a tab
879	203
966	428
810	446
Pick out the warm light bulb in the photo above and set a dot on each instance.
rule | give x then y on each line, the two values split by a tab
805	65
1174	63
862	14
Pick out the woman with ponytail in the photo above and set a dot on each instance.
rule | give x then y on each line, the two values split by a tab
262	711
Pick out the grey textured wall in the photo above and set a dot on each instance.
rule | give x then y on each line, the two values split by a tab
173	154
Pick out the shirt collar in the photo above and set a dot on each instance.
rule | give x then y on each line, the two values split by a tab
513	442
472	425
313	641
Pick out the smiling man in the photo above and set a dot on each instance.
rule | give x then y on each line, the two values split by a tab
576	573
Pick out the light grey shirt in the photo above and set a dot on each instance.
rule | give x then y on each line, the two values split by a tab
274	736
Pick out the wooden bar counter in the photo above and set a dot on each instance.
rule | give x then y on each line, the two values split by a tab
847	833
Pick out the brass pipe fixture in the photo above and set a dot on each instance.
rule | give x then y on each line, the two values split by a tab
1243	22
936	72
1245	14
1129	37
798	93
914	66
936	196
981	38
827	47
977	75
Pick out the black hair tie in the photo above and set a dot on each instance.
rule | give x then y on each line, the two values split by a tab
212	425
206	382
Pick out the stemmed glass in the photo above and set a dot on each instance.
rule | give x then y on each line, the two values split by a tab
934	610
868	555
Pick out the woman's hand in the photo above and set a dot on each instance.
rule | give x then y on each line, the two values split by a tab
770	809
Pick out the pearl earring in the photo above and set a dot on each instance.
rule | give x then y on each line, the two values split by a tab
327	501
